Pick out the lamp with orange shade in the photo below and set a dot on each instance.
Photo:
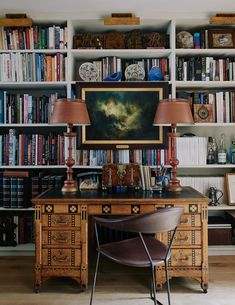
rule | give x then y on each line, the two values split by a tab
173	112
70	112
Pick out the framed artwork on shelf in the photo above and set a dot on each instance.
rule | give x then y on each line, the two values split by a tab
230	187
122	114
221	39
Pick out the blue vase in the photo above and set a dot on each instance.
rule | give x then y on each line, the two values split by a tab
155	73
113	77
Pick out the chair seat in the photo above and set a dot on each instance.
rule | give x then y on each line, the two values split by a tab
131	252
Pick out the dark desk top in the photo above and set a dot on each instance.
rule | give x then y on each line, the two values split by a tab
94	195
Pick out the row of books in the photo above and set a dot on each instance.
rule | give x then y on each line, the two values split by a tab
108	65
25	108
223	103
14	192
36	37
17	191
32	149
16	230
32	67
94	157
203	183
191	150
205	69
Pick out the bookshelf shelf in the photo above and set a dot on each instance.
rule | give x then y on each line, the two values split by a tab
31	209
205	84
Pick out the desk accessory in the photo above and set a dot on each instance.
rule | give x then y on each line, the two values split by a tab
70	112
173	112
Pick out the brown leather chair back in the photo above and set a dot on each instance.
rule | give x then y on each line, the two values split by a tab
160	220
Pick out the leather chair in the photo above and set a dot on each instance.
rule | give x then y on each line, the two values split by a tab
144	250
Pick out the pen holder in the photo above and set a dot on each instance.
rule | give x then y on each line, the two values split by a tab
161	182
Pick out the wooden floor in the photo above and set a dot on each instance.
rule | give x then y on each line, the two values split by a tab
115	286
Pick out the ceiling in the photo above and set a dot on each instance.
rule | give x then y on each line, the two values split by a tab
99	8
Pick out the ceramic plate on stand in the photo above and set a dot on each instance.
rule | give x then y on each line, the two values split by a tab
134	72
88	72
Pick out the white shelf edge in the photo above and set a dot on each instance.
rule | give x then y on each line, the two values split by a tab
221	250
34	84
32	125
49	51
31	166
204	84
17	209
221	207
22	250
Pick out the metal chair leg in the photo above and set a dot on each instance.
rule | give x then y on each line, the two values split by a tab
167	283
95	275
153	291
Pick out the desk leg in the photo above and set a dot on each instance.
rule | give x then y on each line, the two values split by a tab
84	243
38	241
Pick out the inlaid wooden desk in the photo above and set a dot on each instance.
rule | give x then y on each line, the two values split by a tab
62	231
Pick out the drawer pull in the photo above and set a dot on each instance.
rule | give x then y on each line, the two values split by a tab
60	221
60	239
181	259
184	221
61	259
182	239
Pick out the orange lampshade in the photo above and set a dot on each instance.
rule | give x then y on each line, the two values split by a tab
173	111
70	111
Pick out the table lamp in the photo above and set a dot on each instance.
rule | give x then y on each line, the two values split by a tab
173	111
70	111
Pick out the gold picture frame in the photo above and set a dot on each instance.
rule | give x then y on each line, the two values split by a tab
230	187
122	114
221	39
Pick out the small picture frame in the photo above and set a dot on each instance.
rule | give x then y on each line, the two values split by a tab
230	187
221	39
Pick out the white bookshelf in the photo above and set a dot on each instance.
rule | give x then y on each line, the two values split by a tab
169	25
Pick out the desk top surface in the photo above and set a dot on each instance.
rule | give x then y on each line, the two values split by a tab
93	195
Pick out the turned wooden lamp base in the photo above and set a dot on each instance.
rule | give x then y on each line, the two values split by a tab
69	187
174	183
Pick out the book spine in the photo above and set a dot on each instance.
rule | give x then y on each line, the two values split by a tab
20	192
14	195
6	192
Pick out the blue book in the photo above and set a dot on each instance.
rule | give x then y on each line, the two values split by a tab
196	40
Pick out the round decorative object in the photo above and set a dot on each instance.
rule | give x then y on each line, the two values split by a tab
88	72
184	40
203	112
155	73
113	77
134	72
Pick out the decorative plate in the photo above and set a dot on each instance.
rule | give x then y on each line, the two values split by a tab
184	40
88	72
134	72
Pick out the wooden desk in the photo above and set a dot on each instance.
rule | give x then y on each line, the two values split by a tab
62	231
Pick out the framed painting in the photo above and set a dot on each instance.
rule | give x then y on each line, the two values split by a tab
230	187
122	114
221	39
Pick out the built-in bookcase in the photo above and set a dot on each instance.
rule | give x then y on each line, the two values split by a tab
40	64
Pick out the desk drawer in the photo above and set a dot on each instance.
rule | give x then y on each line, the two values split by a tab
185	257
61	237
190	220
61	220
61	257
184	238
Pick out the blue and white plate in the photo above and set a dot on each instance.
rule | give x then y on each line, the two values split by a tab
88	72
134	72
